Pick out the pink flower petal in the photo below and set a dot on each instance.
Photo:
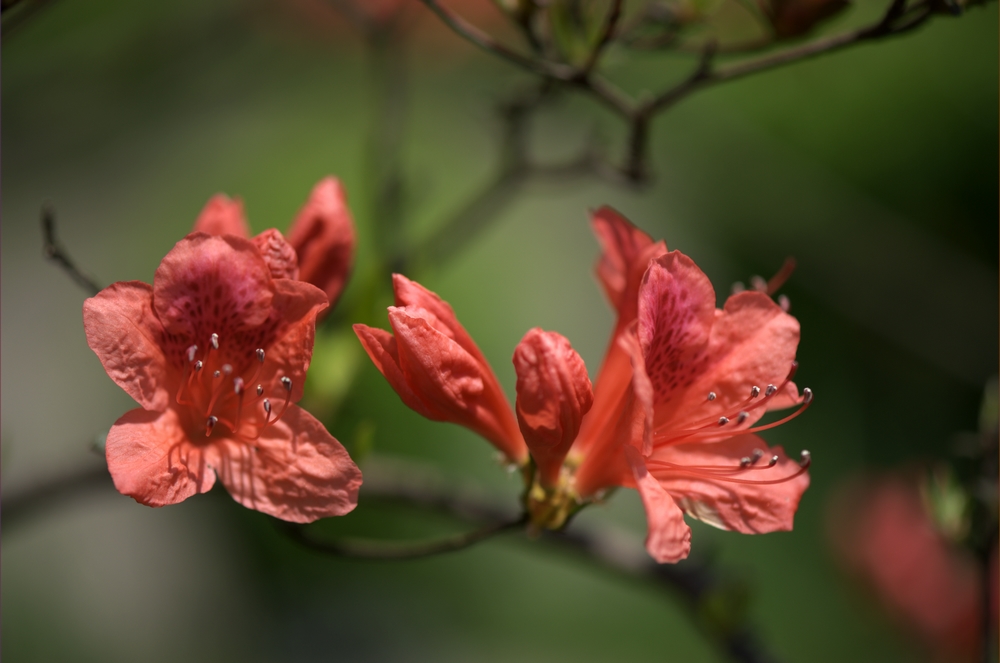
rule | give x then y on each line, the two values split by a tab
413	295
753	343
676	312
278	254
323	238
624	259
222	216
296	471
668	537
381	348
124	332
296	305
453	382
152	460
732	501
209	284
553	394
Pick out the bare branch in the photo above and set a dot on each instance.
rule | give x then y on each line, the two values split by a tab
484	41
55	252
607	35
393	550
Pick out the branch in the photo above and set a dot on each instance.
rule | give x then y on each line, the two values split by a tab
55	252
393	550
412	484
486	42
607	35
704	75
68	488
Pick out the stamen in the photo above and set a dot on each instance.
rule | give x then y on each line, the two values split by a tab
267	407
260	355
198	366
260	390
238	386
286	382
711	396
805	459
191	353
708	428
807	395
210	424
215	341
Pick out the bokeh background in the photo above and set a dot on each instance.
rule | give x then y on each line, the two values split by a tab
876	168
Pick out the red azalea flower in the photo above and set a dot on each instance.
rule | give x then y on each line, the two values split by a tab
884	536
672	411
320	244
437	369
216	352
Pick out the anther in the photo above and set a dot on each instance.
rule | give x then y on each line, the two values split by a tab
215	341
286	382
711	395
737	288
773	461
723	421
238	386
805	459
785	303
756	455
191	352
754	391
745	462
267	406
260	390
758	283
210	424
741	417
807	395
771	390
197	366
217	374
227	369
260	355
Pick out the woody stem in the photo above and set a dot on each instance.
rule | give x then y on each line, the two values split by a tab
388	550
55	252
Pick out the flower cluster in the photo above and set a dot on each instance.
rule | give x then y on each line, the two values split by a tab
672	413
216	351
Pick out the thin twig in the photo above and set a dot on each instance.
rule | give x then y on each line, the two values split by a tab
898	19
55	252
394	550
415	485
486	42
67	488
607	35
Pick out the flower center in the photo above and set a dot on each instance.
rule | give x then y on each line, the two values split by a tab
218	393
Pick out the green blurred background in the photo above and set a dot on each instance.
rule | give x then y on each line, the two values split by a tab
876	168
